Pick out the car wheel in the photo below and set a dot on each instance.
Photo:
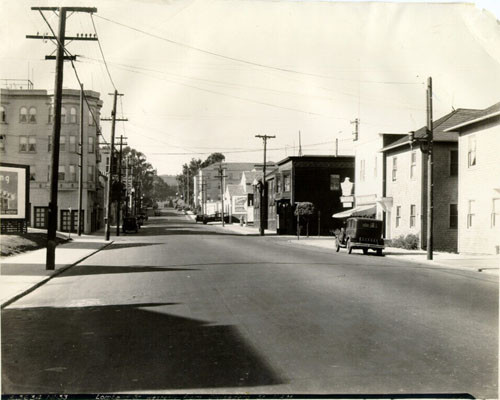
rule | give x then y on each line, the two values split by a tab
337	245
365	251
349	246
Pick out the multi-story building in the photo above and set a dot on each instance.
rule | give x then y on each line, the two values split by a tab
26	138
406	184
478	214
315	179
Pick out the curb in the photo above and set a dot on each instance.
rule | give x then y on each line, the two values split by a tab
45	280
432	263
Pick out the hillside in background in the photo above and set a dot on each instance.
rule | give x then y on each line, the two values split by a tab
169	180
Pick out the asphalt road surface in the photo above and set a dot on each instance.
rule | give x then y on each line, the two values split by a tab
190	308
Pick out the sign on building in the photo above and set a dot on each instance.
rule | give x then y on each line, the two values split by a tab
14	197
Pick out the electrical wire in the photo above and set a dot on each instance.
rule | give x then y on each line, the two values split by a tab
102	52
239	60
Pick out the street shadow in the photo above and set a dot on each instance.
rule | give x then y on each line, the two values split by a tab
82	245
123	348
116	246
162	230
119	269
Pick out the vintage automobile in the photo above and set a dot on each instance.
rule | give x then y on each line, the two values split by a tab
130	224
361	233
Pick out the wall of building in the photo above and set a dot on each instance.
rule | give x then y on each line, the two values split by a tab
405	190
39	159
480	183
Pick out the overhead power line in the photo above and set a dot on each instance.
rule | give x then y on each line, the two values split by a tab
255	64
102	52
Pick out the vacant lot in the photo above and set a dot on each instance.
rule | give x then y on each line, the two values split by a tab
15	244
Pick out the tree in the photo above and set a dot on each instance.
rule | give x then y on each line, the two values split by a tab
212	159
304	209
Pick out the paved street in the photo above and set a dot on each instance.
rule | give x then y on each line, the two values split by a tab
190	308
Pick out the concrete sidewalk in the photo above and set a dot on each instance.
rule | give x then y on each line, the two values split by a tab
476	262
22	273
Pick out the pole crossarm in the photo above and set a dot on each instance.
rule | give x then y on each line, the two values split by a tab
70	9
45	37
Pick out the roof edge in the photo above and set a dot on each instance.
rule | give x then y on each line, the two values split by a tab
472	121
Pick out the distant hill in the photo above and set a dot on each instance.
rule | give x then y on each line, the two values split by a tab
169	180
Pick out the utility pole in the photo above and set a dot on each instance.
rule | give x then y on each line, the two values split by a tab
188	204
119	205
356	129
56	129
300	146
426	147
263	190
113	120
430	172
80	176
221	176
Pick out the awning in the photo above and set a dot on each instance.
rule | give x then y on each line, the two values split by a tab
368	210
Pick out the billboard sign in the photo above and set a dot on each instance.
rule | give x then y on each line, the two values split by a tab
14	191
240	203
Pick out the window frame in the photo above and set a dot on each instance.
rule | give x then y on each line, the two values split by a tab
72	172
394	168
23	147
72	144
413	165
453	216
91	145
61	173
31	142
32	115
64	115
413	215
470	213
73	115
23	116
471	151
398	216
62	143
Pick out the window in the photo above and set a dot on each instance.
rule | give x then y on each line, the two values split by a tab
398	216
453	162
334	182
32	144
394	168
413	164
32	116
72	173
90	173
72	144
51	114
362	170
3	116
23	144
72	115
62	172
91	144
413	215
91	118
471	154
62	143
453	216
278	184
107	164
48	173
286	183
23	115
471	213
495	213
49	146
2	142
63	115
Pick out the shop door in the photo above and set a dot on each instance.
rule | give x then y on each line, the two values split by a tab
41	217
69	221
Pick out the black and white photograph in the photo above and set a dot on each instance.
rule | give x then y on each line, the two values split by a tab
249	199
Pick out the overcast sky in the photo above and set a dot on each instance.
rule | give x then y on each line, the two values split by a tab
209	75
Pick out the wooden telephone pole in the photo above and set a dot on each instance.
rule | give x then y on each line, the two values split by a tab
221	176
119	205
113	120
263	190
56	129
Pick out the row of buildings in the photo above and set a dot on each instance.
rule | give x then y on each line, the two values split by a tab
389	173
26	123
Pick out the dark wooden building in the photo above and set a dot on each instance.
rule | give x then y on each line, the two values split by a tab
315	179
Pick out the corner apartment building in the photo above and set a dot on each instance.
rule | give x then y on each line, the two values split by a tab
26	122
406	184
479	182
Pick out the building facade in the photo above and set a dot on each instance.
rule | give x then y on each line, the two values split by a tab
479	182
315	179
26	137
406	185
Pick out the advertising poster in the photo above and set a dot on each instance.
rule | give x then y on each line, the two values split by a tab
239	205
12	192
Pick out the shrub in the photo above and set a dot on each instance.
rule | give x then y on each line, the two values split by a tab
408	242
